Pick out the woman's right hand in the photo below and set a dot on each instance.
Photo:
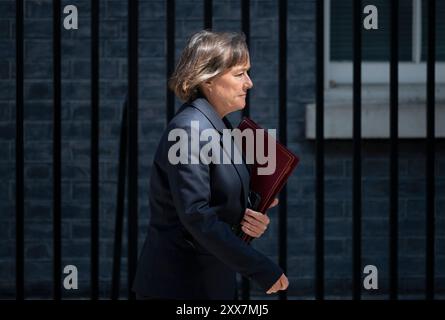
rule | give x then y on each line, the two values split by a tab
281	284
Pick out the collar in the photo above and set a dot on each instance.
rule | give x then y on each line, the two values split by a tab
206	108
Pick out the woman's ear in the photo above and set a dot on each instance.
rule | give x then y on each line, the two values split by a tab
206	86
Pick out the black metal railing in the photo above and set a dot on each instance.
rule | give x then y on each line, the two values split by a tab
57	150
95	149
430	150
394	151
319	154
19	156
128	146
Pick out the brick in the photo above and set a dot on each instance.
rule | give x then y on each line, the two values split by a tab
38	270
439	225
38	131
338	188
337	228
376	208
81	191
39	211
5	29
80	151
40	110
5	112
76	130
7	90
306	169
301	247
338	266
411	266
152	29
77	249
116	48
152	67
189	10
38	9
440	188
76	90
375	227
4	70
374	168
415	209
301	9
410	246
154	9
37	252
116	90
76	171
109	29
267	28
38	90
5	231
38	231
38	171
38	28
37	49
7	268
334	168
38	69
110	129
412	188
38	150
334	208
76	210
412	227
335	247
374	245
109	69
75	48
440	208
152	49
7	250
301	267
116	9
38	190
264	9
81	231
301	30
7	131
375	188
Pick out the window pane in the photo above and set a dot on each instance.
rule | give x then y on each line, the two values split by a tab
440	30
375	43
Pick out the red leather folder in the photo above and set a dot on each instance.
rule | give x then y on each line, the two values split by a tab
265	188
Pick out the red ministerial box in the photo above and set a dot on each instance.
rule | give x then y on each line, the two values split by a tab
265	188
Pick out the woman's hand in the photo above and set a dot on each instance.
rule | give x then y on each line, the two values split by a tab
281	284
255	223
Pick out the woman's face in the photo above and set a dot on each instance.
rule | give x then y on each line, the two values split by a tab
227	92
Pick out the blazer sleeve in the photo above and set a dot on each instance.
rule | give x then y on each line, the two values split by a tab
190	188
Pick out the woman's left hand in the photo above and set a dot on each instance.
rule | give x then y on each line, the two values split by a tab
255	223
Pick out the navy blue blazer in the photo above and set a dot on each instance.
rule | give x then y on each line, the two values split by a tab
191	250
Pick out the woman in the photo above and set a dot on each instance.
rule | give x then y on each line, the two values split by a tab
192	250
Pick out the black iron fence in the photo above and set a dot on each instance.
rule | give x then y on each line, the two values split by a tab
128	160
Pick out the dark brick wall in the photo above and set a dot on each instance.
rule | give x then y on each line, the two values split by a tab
264	109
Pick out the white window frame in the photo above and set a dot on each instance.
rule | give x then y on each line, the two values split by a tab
340	72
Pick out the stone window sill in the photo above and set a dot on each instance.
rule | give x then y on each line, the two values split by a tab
375	112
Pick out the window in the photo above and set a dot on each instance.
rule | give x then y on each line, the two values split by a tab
413	48
375	43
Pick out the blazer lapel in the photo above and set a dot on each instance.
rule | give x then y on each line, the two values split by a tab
220	124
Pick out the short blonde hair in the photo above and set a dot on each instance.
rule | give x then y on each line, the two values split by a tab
206	55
